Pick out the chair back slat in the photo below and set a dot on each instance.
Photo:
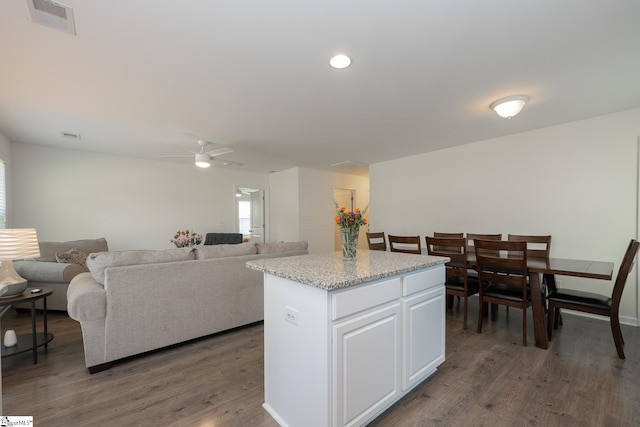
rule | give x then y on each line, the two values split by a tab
453	248
501	262
376	241
537	246
473	236
448	235
405	244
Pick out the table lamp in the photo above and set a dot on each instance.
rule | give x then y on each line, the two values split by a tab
15	243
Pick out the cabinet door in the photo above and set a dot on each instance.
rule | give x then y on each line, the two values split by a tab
424	335
366	361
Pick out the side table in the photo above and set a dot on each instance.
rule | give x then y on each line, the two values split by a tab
35	339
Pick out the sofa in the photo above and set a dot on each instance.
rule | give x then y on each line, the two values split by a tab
58	264
132	302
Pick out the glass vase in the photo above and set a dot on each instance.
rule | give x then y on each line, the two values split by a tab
349	240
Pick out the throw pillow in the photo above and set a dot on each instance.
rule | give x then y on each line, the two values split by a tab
72	256
48	250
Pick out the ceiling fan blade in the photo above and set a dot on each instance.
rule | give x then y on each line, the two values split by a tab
217	162
219	151
199	139
176	156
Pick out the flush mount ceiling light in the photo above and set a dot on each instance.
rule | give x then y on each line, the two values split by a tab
340	61
509	106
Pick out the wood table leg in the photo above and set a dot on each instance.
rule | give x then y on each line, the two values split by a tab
34	334
550	280
539	324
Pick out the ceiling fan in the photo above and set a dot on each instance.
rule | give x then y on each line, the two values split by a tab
203	159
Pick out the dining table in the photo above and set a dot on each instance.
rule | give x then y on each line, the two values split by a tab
549	268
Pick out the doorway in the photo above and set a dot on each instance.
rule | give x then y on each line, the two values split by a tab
344	198
250	213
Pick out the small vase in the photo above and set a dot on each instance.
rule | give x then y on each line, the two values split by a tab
10	338
349	240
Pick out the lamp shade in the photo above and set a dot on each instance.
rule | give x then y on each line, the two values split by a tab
18	243
203	160
15	243
509	106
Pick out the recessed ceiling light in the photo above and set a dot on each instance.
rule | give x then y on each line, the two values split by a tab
340	61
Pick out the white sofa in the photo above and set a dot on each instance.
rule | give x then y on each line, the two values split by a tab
131	302
58	264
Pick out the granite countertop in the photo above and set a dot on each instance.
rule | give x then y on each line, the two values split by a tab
328	271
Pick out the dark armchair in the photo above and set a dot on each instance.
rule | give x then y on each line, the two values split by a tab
223	238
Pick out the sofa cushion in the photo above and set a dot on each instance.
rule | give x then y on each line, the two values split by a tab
72	270
274	248
72	256
48	250
222	251
98	262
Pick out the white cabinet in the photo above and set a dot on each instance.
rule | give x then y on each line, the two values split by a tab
366	346
366	373
350	353
424	322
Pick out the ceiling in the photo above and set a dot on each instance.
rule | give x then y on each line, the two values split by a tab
147	78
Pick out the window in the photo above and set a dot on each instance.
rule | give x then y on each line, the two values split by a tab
244	216
3	197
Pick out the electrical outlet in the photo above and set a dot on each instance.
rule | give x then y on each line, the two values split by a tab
291	315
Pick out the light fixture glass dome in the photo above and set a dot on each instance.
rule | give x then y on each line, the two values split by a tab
340	61
509	106
203	160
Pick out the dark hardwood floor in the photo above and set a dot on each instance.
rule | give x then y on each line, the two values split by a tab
488	379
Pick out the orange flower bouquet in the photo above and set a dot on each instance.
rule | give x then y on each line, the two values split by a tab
350	223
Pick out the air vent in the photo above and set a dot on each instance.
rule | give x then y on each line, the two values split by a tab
69	135
348	164
52	14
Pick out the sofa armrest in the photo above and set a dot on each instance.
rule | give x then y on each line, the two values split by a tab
86	299
42	271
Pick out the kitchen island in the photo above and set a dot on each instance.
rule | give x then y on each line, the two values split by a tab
344	340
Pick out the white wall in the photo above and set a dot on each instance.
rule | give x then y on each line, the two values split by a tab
577	182
304	200
134	203
283	206
5	155
317	209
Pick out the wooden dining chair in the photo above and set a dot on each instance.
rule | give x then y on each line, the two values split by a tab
537	246
593	303
457	282
376	241
447	236
405	244
502	273
471	237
